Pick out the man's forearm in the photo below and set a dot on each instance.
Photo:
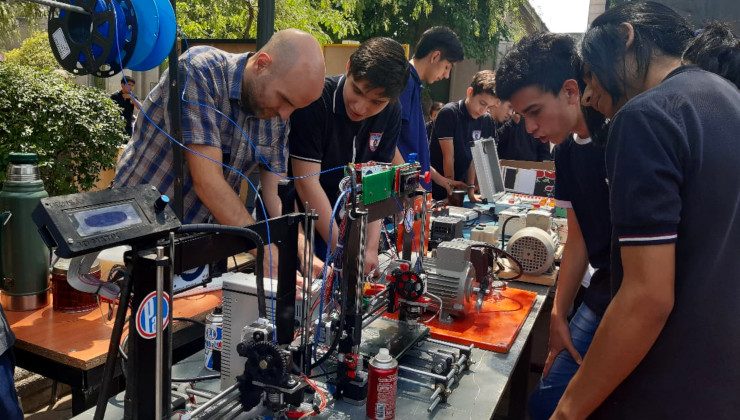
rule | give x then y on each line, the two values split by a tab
572	270
398	158
471	174
223	202
438	178
270	197
318	201
629	328
372	241
626	333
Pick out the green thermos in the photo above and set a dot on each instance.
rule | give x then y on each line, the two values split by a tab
24	258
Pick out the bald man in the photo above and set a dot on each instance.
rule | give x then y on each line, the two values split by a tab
257	92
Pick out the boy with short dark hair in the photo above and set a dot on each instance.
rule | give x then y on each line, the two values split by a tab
436	52
458	124
542	77
356	119
126	103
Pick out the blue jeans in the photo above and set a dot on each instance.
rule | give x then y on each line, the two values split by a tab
9	408
545	397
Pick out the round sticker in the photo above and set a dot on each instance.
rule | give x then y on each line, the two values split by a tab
146	315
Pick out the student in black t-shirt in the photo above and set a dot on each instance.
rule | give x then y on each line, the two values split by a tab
356	119
542	77
126	103
514	143
668	345
457	125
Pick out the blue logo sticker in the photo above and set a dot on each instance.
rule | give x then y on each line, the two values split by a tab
146	315
374	141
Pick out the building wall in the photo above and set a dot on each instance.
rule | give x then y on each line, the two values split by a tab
700	11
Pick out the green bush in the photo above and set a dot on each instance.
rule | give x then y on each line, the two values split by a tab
34	52
75	130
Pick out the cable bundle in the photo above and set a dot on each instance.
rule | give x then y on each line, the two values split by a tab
112	35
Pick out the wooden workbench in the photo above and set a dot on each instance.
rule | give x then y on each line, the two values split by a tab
72	347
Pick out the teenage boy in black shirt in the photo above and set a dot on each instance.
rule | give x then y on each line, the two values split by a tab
126	103
458	124
514	143
542	76
356	119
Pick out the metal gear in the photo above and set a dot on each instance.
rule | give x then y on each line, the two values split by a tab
266	363
409	285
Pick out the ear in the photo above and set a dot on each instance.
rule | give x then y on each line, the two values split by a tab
346	68
469	92
435	56
629	32
262	61
571	91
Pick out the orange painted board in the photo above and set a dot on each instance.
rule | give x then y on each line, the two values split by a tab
494	328
81	339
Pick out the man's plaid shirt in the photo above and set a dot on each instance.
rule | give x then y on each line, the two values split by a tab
211	77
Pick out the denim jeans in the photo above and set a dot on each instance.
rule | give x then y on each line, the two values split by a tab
545	397
9	408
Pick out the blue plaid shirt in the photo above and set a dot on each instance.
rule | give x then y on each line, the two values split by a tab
212	77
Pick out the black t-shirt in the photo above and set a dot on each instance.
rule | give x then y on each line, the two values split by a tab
513	142
581	185
127	109
454	121
672	159
322	133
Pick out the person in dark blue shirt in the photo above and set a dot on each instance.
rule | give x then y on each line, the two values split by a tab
356	119
542	77
436	52
667	346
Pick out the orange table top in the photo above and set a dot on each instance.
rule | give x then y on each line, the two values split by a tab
81	340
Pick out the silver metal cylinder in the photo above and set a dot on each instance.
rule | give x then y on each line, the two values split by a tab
413	382
159	339
203	407
422	372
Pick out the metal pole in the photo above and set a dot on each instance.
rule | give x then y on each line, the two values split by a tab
174	108
159	339
212	401
265	21
423	373
60	5
413	382
422	230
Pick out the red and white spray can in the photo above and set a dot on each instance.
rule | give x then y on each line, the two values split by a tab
382	384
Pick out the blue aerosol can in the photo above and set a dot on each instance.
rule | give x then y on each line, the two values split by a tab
214	332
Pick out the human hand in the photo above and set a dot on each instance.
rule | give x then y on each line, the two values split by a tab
270	256
559	339
371	261
473	197
455	185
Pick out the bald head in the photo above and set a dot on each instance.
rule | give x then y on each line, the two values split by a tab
286	74
291	48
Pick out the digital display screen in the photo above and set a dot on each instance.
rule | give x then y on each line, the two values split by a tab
106	219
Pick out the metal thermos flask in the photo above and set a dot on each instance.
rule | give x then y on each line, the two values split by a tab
24	258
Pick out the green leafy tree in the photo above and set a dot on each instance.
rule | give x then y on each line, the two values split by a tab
326	20
13	15
480	24
34	52
75	130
